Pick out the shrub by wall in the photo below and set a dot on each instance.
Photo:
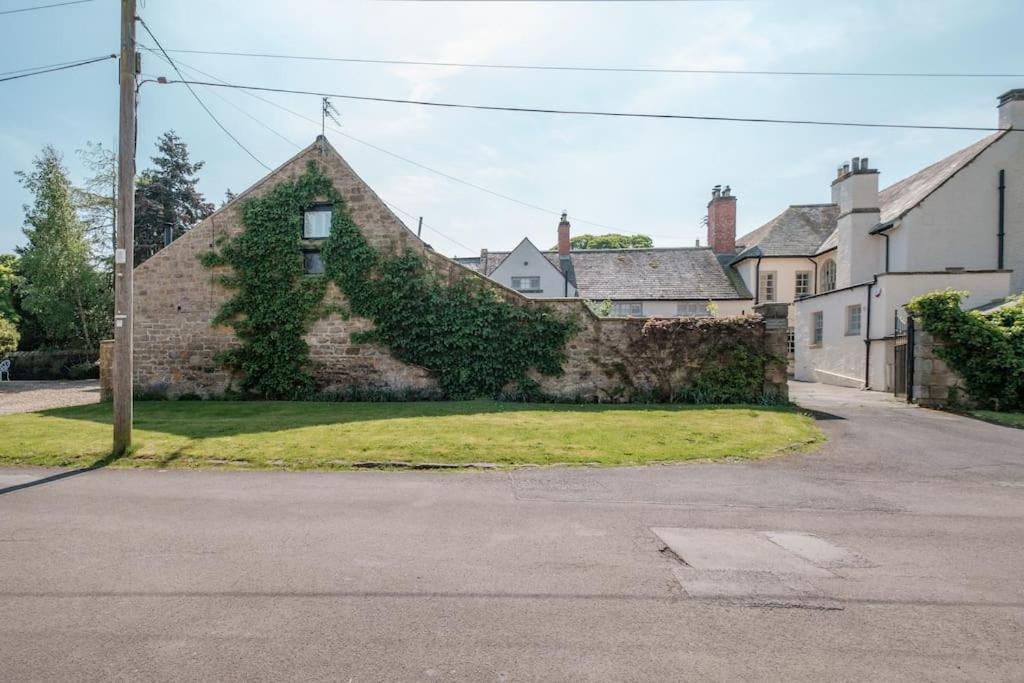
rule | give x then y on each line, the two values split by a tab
987	351
54	365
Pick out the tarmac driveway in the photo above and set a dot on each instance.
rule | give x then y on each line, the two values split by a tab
894	553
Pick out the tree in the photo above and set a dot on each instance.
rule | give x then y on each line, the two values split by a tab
97	198
8	283
8	335
611	240
166	197
59	286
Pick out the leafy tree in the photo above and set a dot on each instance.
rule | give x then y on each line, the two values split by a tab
610	241
59	286
97	198
8	282
229	196
8	335
167	196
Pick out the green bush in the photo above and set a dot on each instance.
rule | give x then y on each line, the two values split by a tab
987	351
9	336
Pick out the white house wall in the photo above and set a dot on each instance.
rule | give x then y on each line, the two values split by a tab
527	261
659	308
840	358
956	225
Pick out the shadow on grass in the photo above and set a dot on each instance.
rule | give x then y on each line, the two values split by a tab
99	464
211	419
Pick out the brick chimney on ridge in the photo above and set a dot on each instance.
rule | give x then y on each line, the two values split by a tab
722	220
563	236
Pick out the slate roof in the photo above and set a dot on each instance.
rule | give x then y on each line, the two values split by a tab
644	274
797	231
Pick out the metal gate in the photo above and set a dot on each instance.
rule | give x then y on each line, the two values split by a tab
899	369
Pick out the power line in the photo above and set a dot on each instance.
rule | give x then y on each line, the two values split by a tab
199	99
407	160
601	69
297	145
62	67
38	7
589	112
48	66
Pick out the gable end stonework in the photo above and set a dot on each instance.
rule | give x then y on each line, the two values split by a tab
177	297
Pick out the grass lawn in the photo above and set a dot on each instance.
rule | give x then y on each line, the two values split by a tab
1008	419
282	435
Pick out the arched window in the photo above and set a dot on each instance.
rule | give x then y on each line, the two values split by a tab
828	276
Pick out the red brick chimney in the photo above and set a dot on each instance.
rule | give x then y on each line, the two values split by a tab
722	221
563	236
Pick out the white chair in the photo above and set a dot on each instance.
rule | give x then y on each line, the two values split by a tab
5	369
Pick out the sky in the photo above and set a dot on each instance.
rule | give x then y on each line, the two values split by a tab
627	175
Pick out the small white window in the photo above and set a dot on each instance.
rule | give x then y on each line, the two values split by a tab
692	309
529	283
853	320
628	309
817	328
312	263
803	283
828	276
316	223
790	341
767	291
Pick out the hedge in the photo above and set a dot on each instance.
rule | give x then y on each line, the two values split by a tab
56	364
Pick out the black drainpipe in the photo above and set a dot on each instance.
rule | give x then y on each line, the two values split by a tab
1001	235
867	337
886	235
814	273
757	281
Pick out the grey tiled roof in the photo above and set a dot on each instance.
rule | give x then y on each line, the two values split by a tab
667	273
670	273
797	231
899	198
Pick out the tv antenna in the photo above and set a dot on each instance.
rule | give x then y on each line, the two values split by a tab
328	111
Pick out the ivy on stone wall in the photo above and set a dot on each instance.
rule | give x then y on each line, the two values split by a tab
469	337
987	351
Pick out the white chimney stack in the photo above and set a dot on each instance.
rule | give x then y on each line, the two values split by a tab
1011	109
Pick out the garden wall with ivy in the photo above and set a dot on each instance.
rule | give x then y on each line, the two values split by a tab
227	308
966	358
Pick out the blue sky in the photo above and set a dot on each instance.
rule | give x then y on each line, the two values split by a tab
633	175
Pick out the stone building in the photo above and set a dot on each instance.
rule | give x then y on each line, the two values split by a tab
177	298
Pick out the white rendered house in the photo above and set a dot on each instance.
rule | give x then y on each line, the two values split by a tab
958	223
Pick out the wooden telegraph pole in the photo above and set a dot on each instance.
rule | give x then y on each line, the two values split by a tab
124	254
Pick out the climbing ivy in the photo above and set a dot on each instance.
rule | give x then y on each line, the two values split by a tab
986	350
470	338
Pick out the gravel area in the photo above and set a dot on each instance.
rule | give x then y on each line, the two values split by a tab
28	397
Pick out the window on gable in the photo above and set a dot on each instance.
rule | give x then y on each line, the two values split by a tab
803	283
316	222
312	263
628	309
767	288
817	328
527	283
828	276
853	320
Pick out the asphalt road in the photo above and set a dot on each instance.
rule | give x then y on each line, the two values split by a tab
895	552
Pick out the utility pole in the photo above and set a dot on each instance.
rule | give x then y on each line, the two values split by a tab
124	253
419	228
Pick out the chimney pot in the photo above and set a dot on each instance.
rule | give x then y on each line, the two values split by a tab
722	221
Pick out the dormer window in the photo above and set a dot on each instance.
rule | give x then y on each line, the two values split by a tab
316	222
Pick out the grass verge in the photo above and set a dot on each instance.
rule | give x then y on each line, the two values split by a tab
1008	419
299	436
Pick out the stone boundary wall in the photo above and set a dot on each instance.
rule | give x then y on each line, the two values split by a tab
936	385
176	297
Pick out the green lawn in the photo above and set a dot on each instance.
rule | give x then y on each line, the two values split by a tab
282	435
1008	419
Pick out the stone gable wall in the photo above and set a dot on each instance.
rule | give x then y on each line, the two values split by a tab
176	297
